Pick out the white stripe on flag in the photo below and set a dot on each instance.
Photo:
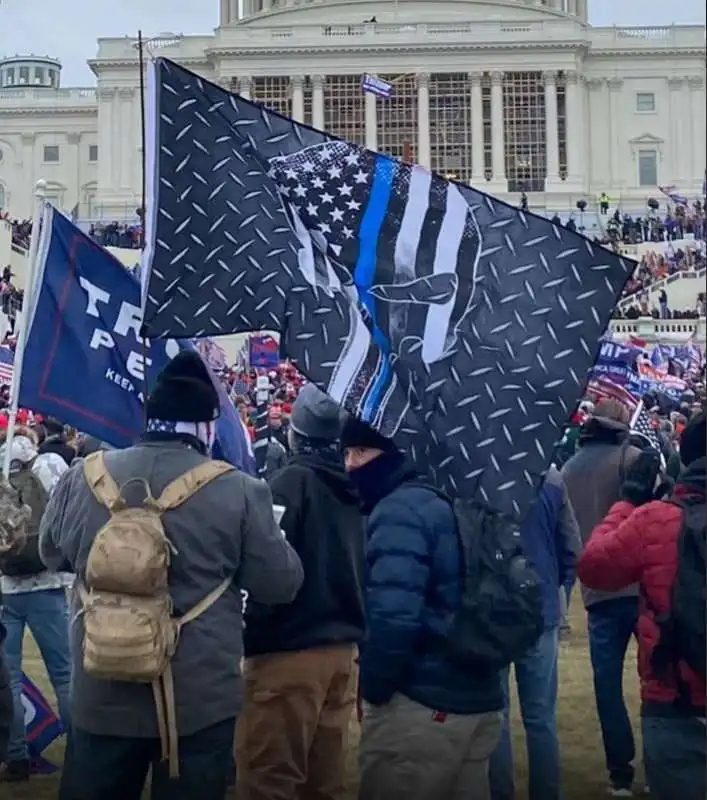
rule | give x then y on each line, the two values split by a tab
408	239
449	241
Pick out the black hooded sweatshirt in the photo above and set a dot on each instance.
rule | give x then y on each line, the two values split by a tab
323	523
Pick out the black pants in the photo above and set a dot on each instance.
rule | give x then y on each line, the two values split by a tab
115	768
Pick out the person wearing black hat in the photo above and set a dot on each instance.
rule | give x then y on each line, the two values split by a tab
55	441
429	725
660	545
294	744
224	529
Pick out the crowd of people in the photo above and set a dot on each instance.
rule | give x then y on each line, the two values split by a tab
21	229
345	567
117	234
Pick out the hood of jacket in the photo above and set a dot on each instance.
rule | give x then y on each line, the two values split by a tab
330	470
602	430
22	450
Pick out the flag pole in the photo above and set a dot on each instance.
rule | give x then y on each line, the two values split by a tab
143	187
40	193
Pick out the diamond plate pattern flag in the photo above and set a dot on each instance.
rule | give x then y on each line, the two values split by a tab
454	322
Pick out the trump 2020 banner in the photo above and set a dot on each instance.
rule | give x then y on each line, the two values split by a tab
84	361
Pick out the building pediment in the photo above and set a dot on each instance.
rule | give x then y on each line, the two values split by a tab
647	140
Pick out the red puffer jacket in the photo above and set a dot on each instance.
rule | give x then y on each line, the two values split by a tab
639	545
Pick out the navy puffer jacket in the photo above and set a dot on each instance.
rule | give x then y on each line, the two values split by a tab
413	587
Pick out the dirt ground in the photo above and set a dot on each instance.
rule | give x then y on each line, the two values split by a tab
582	757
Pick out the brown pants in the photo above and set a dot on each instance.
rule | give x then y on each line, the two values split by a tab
291	736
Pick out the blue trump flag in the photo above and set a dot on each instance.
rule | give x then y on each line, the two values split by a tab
84	362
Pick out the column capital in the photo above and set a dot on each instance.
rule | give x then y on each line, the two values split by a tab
105	93
423	79
571	77
297	81
550	77
496	78
27	138
476	77
317	81
596	83
615	83
126	93
73	138
695	81
245	82
676	81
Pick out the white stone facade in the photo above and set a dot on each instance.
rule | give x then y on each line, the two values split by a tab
507	94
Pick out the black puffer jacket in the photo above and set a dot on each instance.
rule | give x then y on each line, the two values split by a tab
323	523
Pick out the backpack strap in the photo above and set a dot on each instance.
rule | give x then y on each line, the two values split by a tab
101	482
187	485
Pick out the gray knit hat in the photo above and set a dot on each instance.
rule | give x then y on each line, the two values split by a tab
315	415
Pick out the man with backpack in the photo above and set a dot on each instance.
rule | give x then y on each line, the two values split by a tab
551	540
32	597
163	539
431	700
660	545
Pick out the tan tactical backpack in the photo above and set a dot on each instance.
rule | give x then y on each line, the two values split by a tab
129	631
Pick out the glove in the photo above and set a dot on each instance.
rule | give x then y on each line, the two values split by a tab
640	480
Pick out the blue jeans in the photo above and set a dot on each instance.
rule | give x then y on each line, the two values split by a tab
611	625
536	678
674	755
46	614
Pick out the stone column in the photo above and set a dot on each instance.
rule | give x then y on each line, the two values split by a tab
499	182
615	115
106	160
696	84
73	172
318	102
297	83
225	12
245	85
28	172
126	142
675	169
478	171
371	110
599	132
552	139
424	157
574	103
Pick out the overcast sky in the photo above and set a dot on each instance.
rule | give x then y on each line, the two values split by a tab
68	29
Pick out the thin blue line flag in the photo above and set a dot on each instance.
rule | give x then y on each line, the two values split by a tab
455	323
84	362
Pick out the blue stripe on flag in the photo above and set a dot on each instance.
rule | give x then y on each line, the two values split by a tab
365	271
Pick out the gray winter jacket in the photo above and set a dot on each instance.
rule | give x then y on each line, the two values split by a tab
226	529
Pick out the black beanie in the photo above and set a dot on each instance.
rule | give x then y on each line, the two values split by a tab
693	444
356	433
184	391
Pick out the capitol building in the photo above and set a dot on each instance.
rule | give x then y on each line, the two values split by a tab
508	95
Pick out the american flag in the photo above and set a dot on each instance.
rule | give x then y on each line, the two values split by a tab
605	389
412	239
674	194
7	362
641	424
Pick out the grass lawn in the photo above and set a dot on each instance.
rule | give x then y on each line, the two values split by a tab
580	742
